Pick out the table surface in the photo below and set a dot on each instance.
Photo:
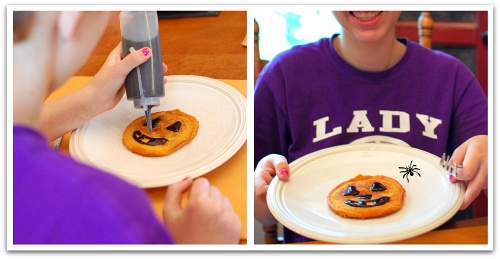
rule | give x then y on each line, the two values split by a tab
466	232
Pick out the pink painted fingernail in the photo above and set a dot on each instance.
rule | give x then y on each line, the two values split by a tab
452	178
284	172
145	51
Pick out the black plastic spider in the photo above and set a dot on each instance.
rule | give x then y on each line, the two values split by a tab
409	170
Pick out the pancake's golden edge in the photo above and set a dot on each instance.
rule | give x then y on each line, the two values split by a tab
194	132
336	199
154	151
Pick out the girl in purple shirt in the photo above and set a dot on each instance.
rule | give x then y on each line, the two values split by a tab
361	84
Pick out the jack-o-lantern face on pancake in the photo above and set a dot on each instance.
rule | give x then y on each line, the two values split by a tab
170	131
366	197
152	141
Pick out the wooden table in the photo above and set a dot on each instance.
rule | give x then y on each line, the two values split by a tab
203	46
465	232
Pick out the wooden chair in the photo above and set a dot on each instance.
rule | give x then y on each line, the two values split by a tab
258	62
425	23
271	232
446	34
425	26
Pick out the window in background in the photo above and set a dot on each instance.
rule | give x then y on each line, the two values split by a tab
280	30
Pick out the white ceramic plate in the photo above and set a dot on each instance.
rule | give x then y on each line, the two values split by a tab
300	203
219	108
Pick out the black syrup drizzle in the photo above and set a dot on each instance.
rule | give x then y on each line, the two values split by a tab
154	122
143	139
175	127
365	200
150	141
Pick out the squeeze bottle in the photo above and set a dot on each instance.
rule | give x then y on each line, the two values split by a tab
144	84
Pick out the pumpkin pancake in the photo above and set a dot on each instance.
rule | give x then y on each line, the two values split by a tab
171	131
366	197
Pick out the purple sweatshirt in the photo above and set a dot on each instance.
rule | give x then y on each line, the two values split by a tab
60	201
308	98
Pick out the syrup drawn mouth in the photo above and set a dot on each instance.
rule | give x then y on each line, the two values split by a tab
365	16
368	203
